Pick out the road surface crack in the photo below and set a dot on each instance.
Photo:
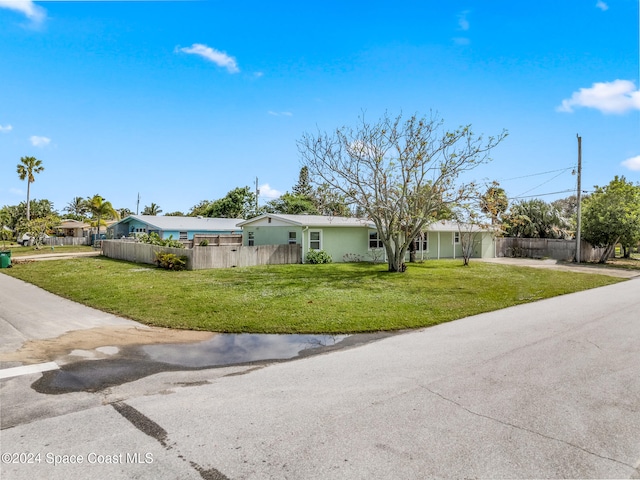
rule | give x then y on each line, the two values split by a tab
152	429
525	429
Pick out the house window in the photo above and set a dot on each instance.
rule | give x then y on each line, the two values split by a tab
315	240
374	240
183	236
421	243
250	238
456	237
292	238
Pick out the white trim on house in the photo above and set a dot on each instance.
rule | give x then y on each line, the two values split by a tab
319	239
319	221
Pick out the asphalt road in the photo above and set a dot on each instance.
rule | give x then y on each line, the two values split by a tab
544	390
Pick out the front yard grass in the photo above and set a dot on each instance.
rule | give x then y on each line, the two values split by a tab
334	298
20	251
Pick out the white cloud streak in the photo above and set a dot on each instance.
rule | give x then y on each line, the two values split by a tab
37	141
216	56
618	96
632	163
280	114
29	9
5	128
463	23
269	193
602	5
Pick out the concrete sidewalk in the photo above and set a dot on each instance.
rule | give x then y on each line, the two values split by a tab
55	256
28	312
563	266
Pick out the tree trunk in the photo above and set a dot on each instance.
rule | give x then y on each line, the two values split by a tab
608	251
98	235
396	260
28	202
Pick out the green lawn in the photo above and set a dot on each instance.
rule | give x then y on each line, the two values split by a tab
20	251
334	298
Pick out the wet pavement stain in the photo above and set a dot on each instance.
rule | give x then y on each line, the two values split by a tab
135	362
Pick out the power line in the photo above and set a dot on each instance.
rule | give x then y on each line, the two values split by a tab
544	183
536	174
542	194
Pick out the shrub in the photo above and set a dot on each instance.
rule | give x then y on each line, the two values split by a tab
318	256
171	261
204	243
351	258
154	239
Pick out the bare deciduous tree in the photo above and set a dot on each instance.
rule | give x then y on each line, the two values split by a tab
401	173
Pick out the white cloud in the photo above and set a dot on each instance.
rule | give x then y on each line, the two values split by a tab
602	6
269	193
5	129
461	41
463	23
618	96
32	11
280	114
16	191
37	141
632	163
216	56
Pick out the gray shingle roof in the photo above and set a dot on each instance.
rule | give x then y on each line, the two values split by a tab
315	220
188	223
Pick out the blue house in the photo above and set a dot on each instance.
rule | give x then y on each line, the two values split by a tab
179	228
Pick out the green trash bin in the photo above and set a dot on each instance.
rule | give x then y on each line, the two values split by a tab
5	259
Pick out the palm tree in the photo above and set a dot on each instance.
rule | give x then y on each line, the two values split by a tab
78	206
494	202
101	208
124	212
27	168
152	209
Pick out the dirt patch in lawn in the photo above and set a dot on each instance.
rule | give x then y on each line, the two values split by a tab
97	343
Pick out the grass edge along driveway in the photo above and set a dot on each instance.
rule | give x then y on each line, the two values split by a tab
334	298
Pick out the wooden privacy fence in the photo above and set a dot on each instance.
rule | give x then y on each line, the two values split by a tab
217	240
201	258
546	248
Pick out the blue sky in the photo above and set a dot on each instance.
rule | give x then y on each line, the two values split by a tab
182	101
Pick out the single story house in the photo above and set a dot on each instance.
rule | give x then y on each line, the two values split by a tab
350	239
179	228
72	228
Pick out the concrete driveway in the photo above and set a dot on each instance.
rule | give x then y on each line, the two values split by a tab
545	390
28	312
564	266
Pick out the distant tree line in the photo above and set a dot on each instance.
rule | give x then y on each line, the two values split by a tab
610	217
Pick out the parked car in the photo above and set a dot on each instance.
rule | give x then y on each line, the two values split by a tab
27	240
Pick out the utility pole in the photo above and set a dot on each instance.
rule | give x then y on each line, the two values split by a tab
579	222
257	195
138	204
